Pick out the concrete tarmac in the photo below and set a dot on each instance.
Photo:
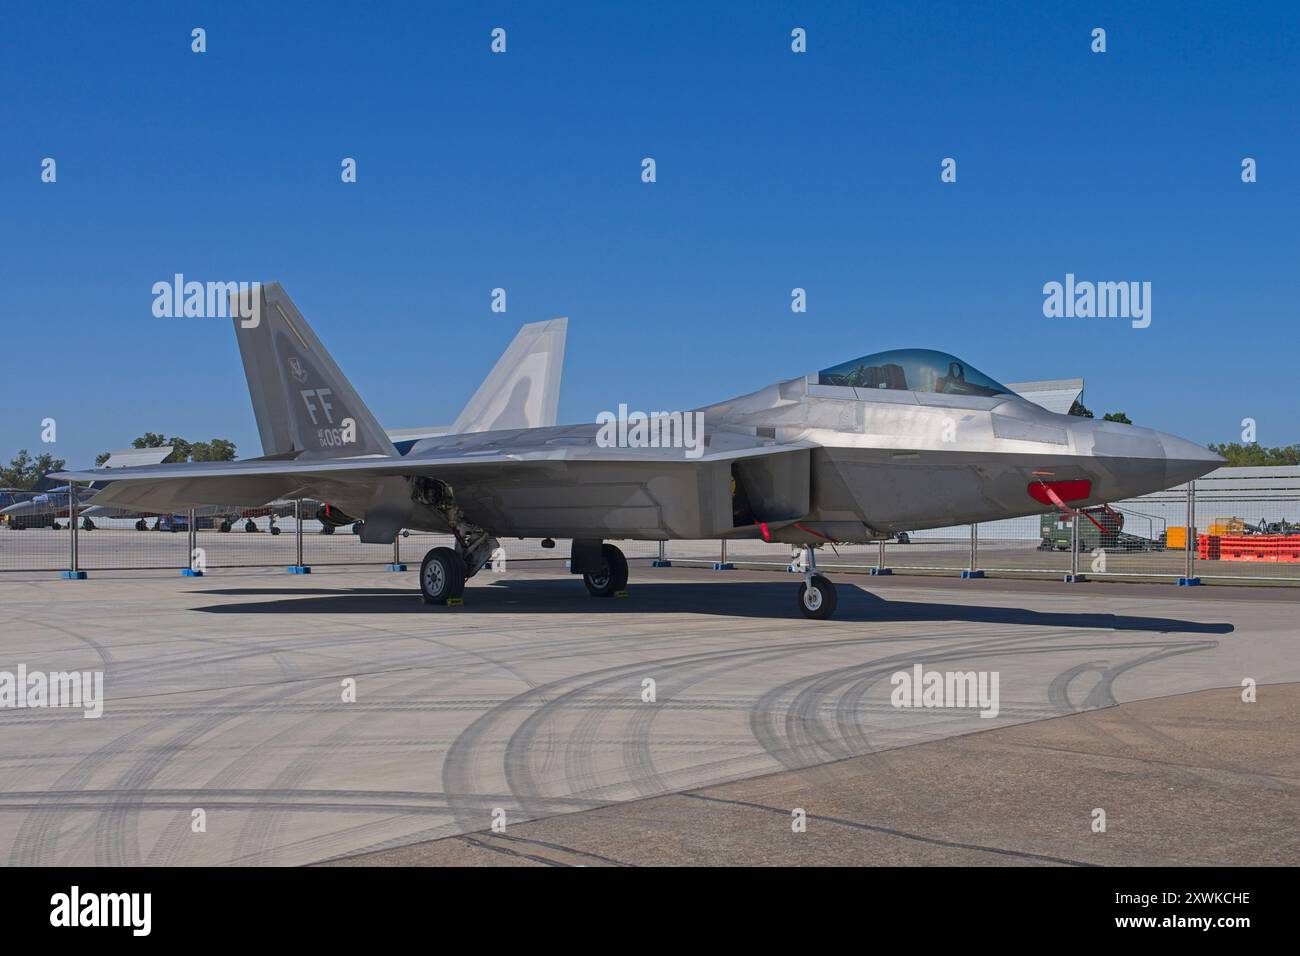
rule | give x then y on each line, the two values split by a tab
231	695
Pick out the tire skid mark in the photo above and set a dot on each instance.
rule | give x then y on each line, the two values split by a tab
460	768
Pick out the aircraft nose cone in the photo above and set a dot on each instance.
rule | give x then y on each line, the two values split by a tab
1185	460
1128	461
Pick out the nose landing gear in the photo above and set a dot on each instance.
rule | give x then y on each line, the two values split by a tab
817	594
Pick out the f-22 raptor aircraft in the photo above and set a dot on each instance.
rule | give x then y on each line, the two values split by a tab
895	441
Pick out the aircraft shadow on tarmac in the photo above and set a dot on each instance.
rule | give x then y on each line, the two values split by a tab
756	599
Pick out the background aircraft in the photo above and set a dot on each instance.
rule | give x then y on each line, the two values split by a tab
907	439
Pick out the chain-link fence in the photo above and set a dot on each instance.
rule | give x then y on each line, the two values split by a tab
1246	530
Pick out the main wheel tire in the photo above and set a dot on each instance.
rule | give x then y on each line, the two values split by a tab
442	576
356	527
224	527
250	526
327	529
87	524
612	578
275	529
140	525
818	601
904	538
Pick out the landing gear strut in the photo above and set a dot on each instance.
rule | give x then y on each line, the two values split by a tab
444	571
816	594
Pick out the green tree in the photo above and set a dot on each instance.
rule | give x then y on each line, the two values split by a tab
1079	410
23	470
181	449
1117	417
219	449
1240	456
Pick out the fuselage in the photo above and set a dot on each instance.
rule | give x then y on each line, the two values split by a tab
882	457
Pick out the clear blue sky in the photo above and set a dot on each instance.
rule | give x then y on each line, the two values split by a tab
775	170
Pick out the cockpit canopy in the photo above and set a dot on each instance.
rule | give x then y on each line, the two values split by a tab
913	370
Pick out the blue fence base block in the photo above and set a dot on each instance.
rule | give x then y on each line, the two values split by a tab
299	569
394	567
191	573
972	574
73	575
1069	578
661	564
877	572
723	566
1188	582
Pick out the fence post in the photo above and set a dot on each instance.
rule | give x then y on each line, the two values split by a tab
973	571
662	561
1189	578
397	564
74	572
880	560
298	567
192	540
722	564
1074	550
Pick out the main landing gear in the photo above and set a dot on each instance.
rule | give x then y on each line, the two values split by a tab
444	571
442	576
816	594
611	578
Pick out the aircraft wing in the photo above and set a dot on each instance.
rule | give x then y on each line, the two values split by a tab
535	490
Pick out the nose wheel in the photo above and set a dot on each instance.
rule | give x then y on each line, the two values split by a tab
817	594
817	598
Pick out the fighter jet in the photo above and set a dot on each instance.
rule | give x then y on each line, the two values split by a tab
907	439
43	509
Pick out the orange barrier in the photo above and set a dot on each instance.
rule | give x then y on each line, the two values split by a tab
1248	547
